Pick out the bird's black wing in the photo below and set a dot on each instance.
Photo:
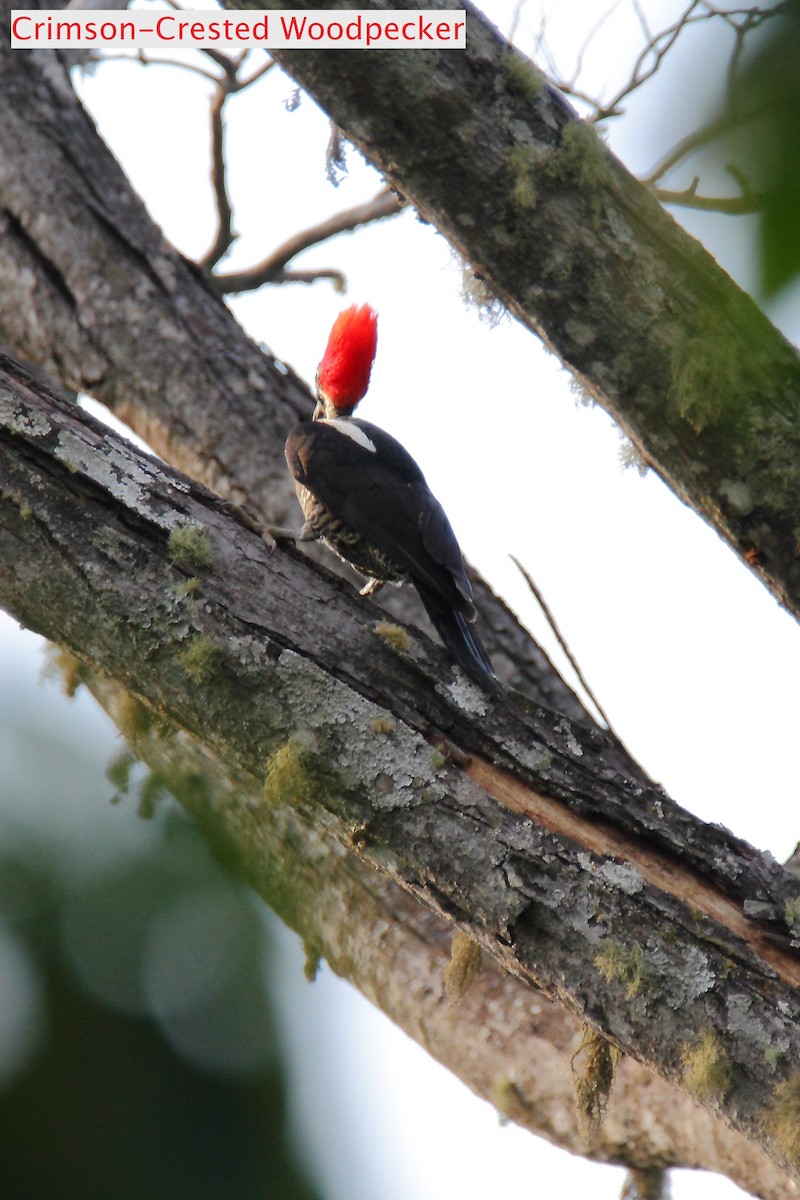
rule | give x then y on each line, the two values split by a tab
370	481
373	485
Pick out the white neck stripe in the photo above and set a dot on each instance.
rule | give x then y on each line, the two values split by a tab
345	426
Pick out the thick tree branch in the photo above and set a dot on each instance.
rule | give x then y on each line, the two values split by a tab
670	936
89	317
511	1046
706	388
91	292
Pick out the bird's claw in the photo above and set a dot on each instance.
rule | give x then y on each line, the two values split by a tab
371	587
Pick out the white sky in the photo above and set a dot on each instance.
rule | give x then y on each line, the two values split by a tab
695	663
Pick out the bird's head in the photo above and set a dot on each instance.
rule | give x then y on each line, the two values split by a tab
343	373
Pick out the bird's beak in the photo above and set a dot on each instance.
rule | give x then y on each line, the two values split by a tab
319	411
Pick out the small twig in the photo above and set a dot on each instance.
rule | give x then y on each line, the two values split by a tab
257	74
731	206
748	201
708	133
551	621
226	86
224	237
642	18
228	66
272	269
141	58
574	663
515	20
656	47
336	277
595	29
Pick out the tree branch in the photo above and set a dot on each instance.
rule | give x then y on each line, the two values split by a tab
272	269
151	339
704	136
224	237
504	819
583	255
81	318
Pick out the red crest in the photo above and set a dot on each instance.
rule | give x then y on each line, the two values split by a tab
343	374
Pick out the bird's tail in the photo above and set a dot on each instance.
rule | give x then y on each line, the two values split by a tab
459	636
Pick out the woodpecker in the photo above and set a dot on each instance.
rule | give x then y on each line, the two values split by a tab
364	496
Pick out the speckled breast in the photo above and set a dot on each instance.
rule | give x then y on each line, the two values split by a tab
348	545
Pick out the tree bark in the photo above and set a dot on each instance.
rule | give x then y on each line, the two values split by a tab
581	253
92	294
673	938
89	288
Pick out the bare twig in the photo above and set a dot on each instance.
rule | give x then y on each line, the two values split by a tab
732	206
551	621
143	61
227	85
267	65
595	29
654	50
642	18
710	132
272	269
311	276
224	237
656	47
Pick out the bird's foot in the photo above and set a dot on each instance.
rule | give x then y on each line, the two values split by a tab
371	587
272	534
247	518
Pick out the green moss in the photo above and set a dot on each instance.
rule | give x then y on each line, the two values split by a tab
509	1099
463	968
707	1068
382	725
118	771
615	963
781	1119
133	719
773	1056
189	786
16	499
187	587
393	635
714	372
438	760
593	1079
198	657
189	547
312	961
523	163
287	775
152	791
295	773
581	158
64	665
523	76
791	913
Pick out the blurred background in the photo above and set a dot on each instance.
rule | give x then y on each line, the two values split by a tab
158	1037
